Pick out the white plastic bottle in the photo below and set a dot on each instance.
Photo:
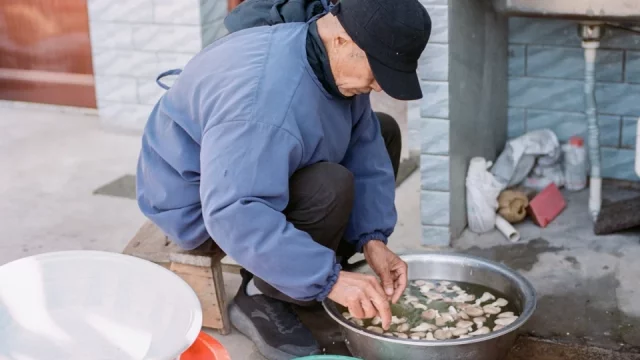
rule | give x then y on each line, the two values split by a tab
575	164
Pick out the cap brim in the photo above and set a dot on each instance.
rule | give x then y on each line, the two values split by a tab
397	84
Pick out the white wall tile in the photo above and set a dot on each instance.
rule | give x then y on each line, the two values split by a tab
172	38
113	88
128	11
125	63
106	35
186	12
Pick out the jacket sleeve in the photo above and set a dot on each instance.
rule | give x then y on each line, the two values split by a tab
244	187
374	214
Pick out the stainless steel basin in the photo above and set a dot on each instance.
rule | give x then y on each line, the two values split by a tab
612	10
454	267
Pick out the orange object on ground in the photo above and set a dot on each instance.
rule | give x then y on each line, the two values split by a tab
547	205
205	348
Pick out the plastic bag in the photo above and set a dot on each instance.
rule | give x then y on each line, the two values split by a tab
532	159
482	196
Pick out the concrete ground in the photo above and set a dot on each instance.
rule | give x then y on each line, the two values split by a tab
53	163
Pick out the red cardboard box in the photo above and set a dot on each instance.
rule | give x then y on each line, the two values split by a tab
547	205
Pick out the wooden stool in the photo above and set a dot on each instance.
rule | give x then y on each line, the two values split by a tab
200	268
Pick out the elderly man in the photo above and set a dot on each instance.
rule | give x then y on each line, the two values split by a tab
268	145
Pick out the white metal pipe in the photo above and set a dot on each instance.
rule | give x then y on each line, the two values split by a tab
595	186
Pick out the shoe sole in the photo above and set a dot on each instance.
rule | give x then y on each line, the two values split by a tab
242	323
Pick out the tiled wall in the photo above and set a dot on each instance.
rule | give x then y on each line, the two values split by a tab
429	123
135	40
546	69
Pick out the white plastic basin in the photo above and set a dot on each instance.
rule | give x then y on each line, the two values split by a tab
94	305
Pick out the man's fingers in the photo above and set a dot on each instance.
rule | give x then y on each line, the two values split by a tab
369	310
387	281
355	308
400	284
382	305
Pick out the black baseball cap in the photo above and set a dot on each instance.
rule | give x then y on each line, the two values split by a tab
393	34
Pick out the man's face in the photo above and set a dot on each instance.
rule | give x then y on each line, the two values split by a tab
351	69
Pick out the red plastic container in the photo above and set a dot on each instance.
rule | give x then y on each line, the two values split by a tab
547	205
205	348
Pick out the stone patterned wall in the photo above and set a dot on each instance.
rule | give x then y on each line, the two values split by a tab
135	40
430	125
546	69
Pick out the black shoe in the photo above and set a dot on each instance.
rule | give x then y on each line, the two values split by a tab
271	324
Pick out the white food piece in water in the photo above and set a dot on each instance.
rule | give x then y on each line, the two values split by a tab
464	336
413	337
506	315
457	288
430	336
443	334
482	331
430	314
506	321
491	310
453	310
397	320
403	327
409	299
358	322
463	324
474	311
500	302
347	315
480	320
463	298
433	296
424	327
401	335
460	331
388	334
375	329
419	333
485	297
426	287
444	319
419	283
376	321
498	327
445	283
442	289
429	301
463	315
420	306
448	300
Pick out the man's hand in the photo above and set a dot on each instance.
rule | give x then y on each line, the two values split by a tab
389	267
363	296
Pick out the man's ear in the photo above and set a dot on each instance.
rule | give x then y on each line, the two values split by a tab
340	41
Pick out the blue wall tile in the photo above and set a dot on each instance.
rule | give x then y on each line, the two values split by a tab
434	207
434	172
516	60
629	132
620	39
543	32
435	235
546	94
619	164
565	125
434	136
516	124
619	99
568	63
435	100
434	62
632	68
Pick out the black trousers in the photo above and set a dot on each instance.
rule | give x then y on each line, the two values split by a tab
321	199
